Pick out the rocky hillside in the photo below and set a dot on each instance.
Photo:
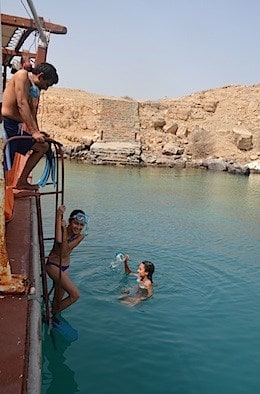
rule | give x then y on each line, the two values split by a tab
221	123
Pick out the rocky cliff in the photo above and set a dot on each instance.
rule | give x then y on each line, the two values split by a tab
215	128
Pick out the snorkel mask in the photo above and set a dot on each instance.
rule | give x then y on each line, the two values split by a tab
34	91
81	217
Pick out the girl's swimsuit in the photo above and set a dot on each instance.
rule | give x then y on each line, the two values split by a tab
140	286
61	267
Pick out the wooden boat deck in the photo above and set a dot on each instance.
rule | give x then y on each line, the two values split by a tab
17	339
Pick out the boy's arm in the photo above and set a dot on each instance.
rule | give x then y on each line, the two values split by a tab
21	87
28	114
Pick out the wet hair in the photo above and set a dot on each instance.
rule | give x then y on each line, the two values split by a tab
149	267
75	212
48	71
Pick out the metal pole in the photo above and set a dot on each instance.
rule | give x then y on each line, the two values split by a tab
38	23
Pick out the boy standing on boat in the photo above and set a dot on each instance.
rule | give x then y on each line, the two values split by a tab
19	115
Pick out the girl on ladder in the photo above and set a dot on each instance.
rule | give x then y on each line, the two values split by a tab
67	237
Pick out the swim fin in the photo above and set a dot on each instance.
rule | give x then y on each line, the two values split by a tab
49	169
64	328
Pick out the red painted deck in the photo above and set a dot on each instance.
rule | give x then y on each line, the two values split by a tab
15	309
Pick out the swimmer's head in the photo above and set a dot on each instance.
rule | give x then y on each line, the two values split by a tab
149	268
79	216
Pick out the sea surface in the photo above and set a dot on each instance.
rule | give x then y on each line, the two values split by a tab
200	332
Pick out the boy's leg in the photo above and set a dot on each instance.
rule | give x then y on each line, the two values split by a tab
38	151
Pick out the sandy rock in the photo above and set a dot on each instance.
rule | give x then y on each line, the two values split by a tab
74	118
242	138
210	106
182	132
254	166
172	129
215	164
159	123
170	149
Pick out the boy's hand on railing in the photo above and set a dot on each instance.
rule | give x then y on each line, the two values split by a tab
45	134
38	136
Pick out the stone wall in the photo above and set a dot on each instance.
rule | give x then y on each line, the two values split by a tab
118	120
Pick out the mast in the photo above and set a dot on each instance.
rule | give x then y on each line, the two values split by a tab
38	24
44	36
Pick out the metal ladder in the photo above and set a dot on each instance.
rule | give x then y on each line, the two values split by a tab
58	194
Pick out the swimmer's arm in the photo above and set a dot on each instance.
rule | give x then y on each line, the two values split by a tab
75	241
60	227
149	294
68	246
149	291
127	268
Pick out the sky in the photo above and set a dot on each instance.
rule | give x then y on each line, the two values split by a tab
151	49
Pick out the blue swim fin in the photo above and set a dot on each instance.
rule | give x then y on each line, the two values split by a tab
45	175
54	171
49	169
64	328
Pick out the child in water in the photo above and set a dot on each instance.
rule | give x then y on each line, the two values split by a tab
145	282
67	237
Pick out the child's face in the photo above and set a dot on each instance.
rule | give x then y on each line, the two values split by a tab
141	271
76	226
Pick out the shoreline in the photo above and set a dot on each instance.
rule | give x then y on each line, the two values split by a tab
121	158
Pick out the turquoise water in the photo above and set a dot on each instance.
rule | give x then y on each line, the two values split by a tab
200	331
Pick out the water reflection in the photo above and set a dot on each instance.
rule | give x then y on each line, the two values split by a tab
57	376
